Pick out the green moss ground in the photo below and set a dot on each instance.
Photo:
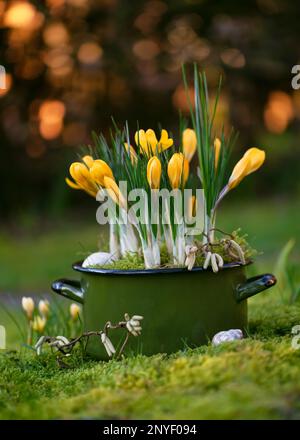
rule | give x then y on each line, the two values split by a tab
258	377
254	378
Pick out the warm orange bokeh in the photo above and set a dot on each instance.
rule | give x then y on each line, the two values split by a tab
278	112
7	83
51	116
89	53
22	15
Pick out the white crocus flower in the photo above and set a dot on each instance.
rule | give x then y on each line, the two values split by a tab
110	349
28	306
133	324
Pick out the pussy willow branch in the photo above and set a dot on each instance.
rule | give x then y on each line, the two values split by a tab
209	243
230	246
67	348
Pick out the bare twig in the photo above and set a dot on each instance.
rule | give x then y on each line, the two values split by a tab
65	346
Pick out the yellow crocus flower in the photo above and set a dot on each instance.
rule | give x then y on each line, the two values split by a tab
99	170
250	162
165	142
238	173
256	158
82	179
38	324
88	161
189	143
217	149
131	151
148	143
72	184
178	170
114	192
154	172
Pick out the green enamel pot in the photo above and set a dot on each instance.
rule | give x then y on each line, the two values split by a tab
180	308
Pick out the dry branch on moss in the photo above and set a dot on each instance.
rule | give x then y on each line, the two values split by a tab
64	347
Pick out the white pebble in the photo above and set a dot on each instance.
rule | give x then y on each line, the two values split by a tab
226	336
99	259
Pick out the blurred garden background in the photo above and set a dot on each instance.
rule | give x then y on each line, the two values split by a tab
70	66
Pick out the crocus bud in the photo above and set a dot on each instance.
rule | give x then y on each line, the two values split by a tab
38	324
145	141
99	170
165	142
250	162
238	173
114	192
44	307
189	143
154	172
178	170
217	148
132	153
148	143
88	161
256	158
28	306
74	311
82	178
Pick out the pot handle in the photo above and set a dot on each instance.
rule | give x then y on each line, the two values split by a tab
254	285
70	289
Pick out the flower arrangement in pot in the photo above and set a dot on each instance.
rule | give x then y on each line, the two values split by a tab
167	261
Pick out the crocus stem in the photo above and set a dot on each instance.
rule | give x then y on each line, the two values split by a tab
155	249
131	239
169	233
128	240
212	226
207	224
114	245
221	196
29	336
180	245
148	255
168	238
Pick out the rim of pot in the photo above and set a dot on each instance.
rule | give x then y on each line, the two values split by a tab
92	270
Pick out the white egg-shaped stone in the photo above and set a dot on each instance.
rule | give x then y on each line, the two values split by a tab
227	336
99	259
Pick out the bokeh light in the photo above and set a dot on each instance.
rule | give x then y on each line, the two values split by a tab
56	34
7	82
51	116
89	53
22	15
278	112
233	58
